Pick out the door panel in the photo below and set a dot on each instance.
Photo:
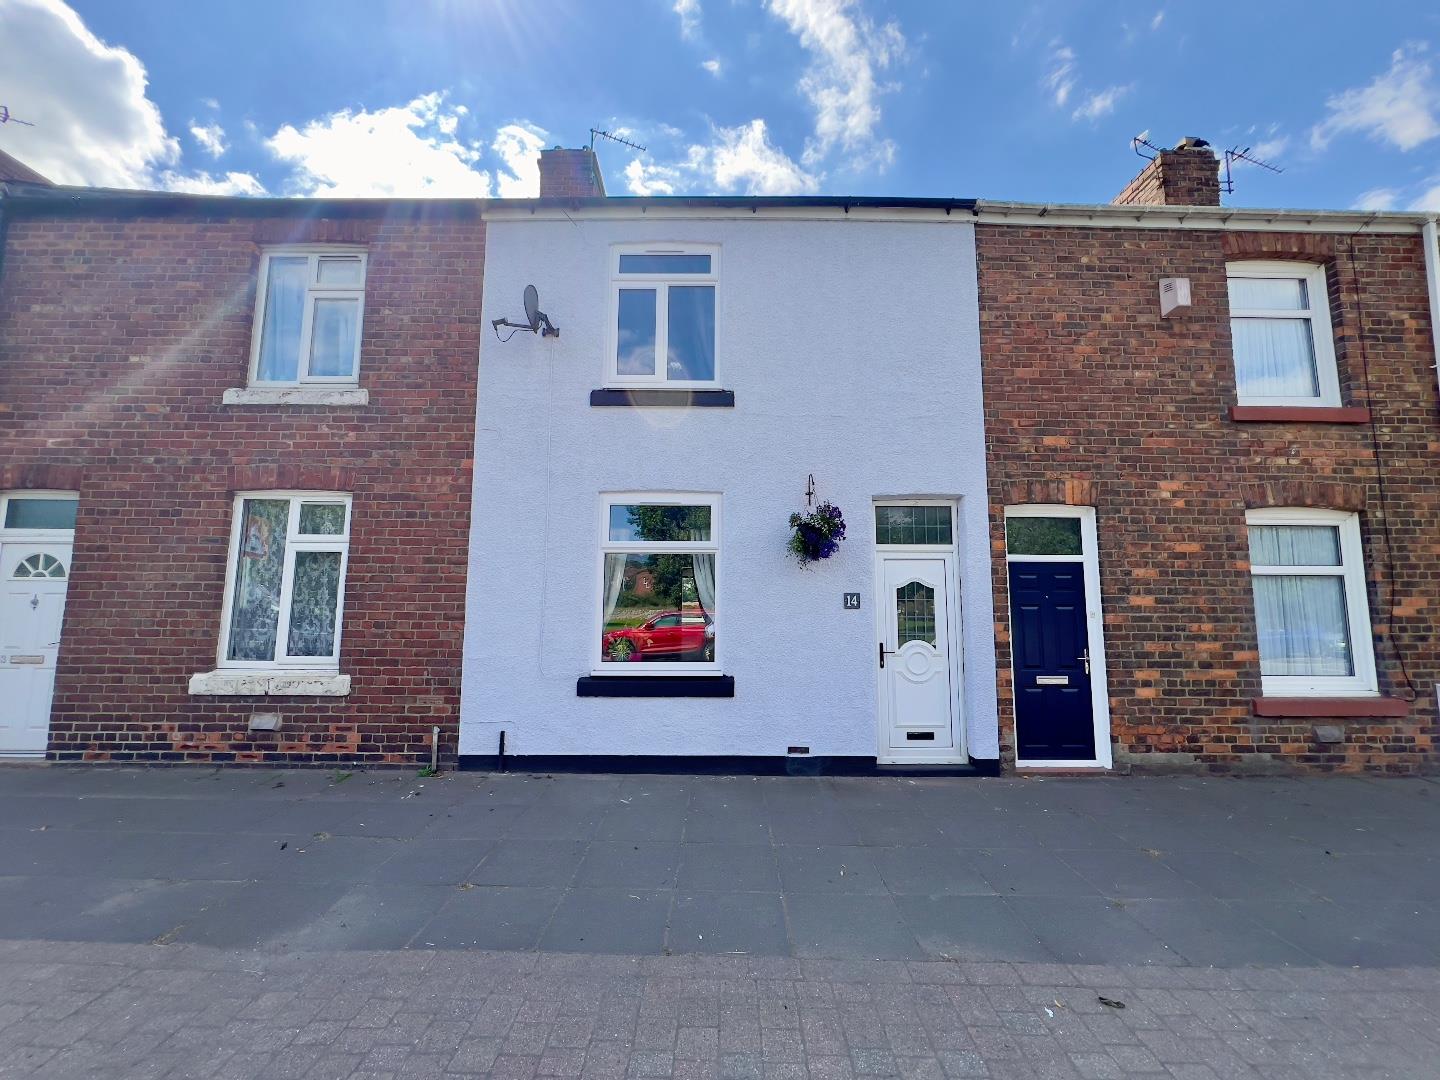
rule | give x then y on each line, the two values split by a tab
917	695
1054	712
33	578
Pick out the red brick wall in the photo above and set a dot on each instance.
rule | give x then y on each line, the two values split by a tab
118	339
1092	398
570	174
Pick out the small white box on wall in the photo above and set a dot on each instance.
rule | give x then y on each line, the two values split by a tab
1174	293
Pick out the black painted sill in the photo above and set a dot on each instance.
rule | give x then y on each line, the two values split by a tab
655	686
661	398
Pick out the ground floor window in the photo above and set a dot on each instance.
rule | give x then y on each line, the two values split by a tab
659	572
1311	612
286	580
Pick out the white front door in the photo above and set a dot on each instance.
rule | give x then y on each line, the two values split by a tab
917	691
33	577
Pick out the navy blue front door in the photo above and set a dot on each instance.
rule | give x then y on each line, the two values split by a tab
1054	718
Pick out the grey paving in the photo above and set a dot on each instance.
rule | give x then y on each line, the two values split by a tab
107	1011
1181	872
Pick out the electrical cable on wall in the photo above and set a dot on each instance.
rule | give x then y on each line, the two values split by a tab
1410	692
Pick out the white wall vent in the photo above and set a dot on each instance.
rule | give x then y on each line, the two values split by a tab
1174	293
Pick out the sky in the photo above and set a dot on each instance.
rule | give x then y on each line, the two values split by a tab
1031	101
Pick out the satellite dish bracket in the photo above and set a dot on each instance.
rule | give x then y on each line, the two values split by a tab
536	321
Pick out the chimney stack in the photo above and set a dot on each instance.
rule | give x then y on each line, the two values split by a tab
570	174
1189	175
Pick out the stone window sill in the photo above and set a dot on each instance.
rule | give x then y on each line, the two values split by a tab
1299	414
296	395
661	398
233	683
1327	707
656	686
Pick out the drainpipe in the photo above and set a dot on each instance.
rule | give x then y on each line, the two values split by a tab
1431	234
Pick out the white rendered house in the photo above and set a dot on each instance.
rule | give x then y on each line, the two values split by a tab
630	591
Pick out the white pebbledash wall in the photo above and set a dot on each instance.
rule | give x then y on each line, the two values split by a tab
852	347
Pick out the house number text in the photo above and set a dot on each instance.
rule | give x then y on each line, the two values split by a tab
852	601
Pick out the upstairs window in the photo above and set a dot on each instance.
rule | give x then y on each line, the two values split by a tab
1280	327
1311	611
308	315
664	316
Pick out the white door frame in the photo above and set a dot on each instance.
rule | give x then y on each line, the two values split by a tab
885	754
1094	626
39	536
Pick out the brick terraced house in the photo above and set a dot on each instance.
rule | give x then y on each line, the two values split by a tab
235	441
1246	484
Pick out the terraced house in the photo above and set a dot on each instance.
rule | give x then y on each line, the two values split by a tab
1150	484
235	443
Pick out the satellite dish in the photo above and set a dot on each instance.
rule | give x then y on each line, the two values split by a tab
536	321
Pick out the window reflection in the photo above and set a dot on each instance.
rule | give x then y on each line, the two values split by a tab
658	607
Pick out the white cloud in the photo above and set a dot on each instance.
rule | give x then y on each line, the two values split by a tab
712	66
1060	79
643	179
743	159
1101	103
406	149
94	123
847	51
1428	200
1158	19
211	137
1377	199
1399	106
689	12
519	146
202	183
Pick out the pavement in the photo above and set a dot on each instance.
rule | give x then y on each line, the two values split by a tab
204	922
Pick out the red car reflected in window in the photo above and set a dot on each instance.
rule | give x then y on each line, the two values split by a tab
670	635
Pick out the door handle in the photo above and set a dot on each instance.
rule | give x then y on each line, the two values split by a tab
884	652
1085	657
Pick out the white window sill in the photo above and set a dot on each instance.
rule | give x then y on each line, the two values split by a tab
226	682
295	395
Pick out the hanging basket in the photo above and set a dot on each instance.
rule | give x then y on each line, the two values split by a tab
816	535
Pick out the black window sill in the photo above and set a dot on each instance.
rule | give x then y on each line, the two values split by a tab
657	686
660	398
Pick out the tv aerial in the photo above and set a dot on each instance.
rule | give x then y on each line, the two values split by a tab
7	118
612	138
536	321
1236	153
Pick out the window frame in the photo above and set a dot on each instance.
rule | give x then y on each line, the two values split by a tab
1322	334
676	547
17	533
294	543
313	291
1363	682
661	284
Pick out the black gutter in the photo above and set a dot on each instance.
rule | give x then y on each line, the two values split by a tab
736	202
42	200
28	199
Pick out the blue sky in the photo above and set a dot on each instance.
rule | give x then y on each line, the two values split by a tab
1029	101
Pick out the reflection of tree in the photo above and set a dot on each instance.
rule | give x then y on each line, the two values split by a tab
1044	536
663	523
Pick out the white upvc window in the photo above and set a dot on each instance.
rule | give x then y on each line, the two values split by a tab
1311	610
308	311
1280	330
285	586
659	584
663	305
